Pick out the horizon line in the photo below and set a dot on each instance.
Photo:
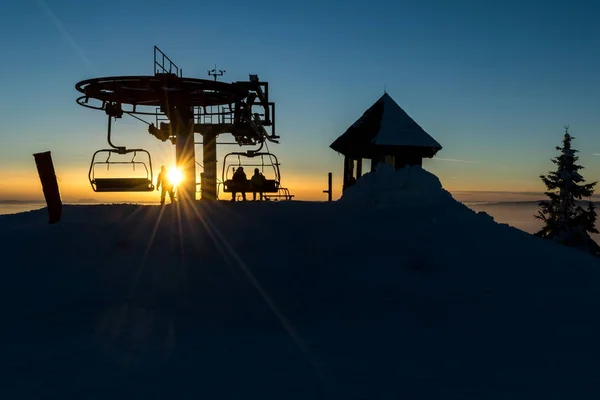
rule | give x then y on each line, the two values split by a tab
90	200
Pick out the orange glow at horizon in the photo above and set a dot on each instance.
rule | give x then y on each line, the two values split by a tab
24	184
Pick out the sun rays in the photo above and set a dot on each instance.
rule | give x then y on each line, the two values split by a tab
230	254
175	176
192	224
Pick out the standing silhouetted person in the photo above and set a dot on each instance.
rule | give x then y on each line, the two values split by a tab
257	181
167	186
239	182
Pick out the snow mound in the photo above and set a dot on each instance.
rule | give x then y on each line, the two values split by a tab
404	293
388	187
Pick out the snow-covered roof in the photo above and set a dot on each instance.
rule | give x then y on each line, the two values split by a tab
399	129
385	127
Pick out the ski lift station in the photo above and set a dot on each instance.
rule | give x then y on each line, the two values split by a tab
182	107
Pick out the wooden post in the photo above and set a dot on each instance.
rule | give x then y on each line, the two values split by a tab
359	168
329	190
389	160
348	172
45	167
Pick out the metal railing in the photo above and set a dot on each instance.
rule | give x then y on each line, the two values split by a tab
160	60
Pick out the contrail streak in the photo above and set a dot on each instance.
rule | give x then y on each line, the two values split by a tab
61	28
455	160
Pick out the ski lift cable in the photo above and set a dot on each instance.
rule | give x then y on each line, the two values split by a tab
138	118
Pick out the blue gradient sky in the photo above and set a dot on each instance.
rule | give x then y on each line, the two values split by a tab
493	81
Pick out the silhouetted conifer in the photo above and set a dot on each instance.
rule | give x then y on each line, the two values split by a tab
565	220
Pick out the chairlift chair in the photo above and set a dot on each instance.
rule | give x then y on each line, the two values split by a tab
120	184
269	186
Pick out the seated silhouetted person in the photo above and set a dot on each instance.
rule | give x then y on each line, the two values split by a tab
257	182
239	181
166	185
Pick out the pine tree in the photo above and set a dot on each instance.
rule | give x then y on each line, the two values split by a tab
565	220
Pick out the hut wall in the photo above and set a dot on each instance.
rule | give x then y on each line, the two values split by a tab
402	160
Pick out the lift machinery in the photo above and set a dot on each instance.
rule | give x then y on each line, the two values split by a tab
182	107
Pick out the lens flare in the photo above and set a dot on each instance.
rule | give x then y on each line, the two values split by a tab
175	176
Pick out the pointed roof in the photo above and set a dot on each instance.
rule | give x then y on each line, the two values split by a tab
385	128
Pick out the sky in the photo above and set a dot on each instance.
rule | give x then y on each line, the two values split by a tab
493	81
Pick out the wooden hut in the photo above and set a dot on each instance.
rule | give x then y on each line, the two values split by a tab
384	134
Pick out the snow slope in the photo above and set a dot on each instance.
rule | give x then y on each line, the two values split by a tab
395	291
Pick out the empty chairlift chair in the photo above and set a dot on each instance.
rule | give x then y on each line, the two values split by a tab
121	184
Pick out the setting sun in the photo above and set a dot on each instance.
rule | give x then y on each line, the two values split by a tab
175	176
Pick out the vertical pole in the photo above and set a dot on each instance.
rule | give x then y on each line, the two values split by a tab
45	167
209	159
329	190
185	153
329	186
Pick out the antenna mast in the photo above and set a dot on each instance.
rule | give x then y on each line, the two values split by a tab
213	72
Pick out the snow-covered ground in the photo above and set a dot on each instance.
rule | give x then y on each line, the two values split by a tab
395	291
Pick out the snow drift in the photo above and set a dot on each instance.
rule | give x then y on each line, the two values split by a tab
395	291
407	187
